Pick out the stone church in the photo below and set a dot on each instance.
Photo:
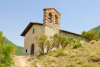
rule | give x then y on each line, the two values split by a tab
50	26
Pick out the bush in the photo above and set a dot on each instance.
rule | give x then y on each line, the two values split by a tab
5	52
95	59
73	55
41	41
60	52
91	35
77	45
92	41
5	56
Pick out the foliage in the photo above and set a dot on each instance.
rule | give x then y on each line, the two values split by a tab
86	56
70	40
60	40
5	55
60	52
77	44
95	59
5	41
96	28
91	35
41	41
19	50
48	45
56	41
6	51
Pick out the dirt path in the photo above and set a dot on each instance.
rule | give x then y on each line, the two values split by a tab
22	61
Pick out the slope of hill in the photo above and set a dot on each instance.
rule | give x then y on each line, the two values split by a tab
96	28
19	49
86	56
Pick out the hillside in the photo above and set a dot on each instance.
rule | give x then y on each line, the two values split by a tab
19	49
86	56
96	28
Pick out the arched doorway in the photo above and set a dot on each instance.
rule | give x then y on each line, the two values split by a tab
32	49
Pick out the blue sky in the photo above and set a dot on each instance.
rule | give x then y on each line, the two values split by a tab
76	15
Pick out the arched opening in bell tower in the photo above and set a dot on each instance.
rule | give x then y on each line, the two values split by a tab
56	19
50	17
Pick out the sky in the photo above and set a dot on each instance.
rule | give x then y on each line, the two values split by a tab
76	15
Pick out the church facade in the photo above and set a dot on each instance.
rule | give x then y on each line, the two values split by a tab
50	26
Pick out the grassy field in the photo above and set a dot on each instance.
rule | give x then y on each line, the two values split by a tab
88	55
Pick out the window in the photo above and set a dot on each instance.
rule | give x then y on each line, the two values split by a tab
50	17
33	31
56	19
26	50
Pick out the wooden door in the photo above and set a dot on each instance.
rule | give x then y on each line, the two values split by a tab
32	49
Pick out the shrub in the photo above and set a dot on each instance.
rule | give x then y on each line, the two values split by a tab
73	55
48	44
94	59
41	41
91	35
78	44
81	62
5	56
92	41
60	52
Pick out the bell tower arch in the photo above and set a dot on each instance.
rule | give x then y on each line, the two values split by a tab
51	21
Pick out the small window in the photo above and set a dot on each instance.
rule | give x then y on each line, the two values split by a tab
50	17
26	50
33	31
56	19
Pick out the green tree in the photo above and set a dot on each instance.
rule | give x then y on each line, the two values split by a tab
41	41
6	50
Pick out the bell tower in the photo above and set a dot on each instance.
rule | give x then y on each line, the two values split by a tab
51	21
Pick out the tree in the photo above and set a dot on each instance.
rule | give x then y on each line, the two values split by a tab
5	51
41	41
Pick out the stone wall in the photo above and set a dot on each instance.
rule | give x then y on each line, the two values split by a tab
30	39
72	35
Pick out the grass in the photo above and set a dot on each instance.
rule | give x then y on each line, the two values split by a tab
90	65
95	59
88	55
60	52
